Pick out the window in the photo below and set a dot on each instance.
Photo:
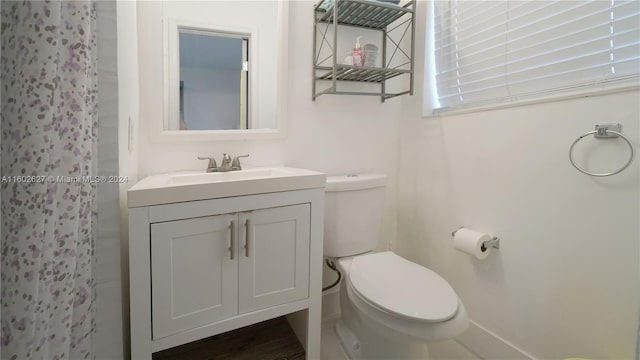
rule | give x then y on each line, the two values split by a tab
493	52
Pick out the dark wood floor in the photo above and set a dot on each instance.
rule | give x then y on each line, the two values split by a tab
268	340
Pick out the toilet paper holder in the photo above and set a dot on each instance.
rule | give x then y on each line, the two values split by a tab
494	242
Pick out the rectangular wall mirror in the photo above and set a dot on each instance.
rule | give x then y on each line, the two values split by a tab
214	86
225	70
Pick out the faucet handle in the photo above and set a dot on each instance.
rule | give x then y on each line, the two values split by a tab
212	161
236	162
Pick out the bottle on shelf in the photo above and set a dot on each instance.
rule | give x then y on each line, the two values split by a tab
358	59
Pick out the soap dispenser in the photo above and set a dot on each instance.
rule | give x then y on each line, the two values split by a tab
358	59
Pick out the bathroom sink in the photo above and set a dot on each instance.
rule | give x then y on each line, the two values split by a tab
199	185
228	176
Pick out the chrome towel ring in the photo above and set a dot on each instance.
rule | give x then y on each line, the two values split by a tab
603	132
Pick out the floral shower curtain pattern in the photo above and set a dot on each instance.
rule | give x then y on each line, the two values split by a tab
49	141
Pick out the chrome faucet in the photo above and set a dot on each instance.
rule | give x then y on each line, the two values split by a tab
227	163
212	166
235	165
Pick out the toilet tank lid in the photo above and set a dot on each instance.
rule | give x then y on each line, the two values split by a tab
355	182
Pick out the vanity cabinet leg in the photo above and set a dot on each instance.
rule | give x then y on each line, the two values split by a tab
140	284
313	331
314	317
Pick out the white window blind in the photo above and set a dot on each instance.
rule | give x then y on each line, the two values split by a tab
490	52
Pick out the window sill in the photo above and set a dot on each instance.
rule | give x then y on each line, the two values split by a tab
540	100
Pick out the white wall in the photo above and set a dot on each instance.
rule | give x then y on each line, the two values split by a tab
128	143
565	280
107	341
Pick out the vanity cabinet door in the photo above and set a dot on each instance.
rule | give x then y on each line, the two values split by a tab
194	277
273	256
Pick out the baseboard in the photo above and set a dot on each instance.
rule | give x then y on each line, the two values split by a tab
487	345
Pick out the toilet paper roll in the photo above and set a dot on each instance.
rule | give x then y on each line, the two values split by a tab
471	242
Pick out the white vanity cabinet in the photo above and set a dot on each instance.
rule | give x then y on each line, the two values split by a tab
274	257
194	281
198	268
207	269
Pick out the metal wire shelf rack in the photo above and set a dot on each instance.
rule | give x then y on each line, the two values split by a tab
368	14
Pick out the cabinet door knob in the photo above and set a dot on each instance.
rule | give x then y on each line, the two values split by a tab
247	226
232	227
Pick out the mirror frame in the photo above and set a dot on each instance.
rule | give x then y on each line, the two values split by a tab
171	58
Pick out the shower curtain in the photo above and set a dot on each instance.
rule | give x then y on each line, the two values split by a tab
49	139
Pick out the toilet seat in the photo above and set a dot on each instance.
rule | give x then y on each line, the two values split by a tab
402	288
389	318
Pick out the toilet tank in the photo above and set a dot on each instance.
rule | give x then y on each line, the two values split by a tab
353	213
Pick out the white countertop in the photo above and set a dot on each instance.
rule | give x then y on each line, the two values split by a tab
199	185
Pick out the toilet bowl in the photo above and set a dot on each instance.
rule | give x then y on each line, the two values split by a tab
390	307
404	297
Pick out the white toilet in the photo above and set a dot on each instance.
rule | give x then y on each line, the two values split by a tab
390	307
